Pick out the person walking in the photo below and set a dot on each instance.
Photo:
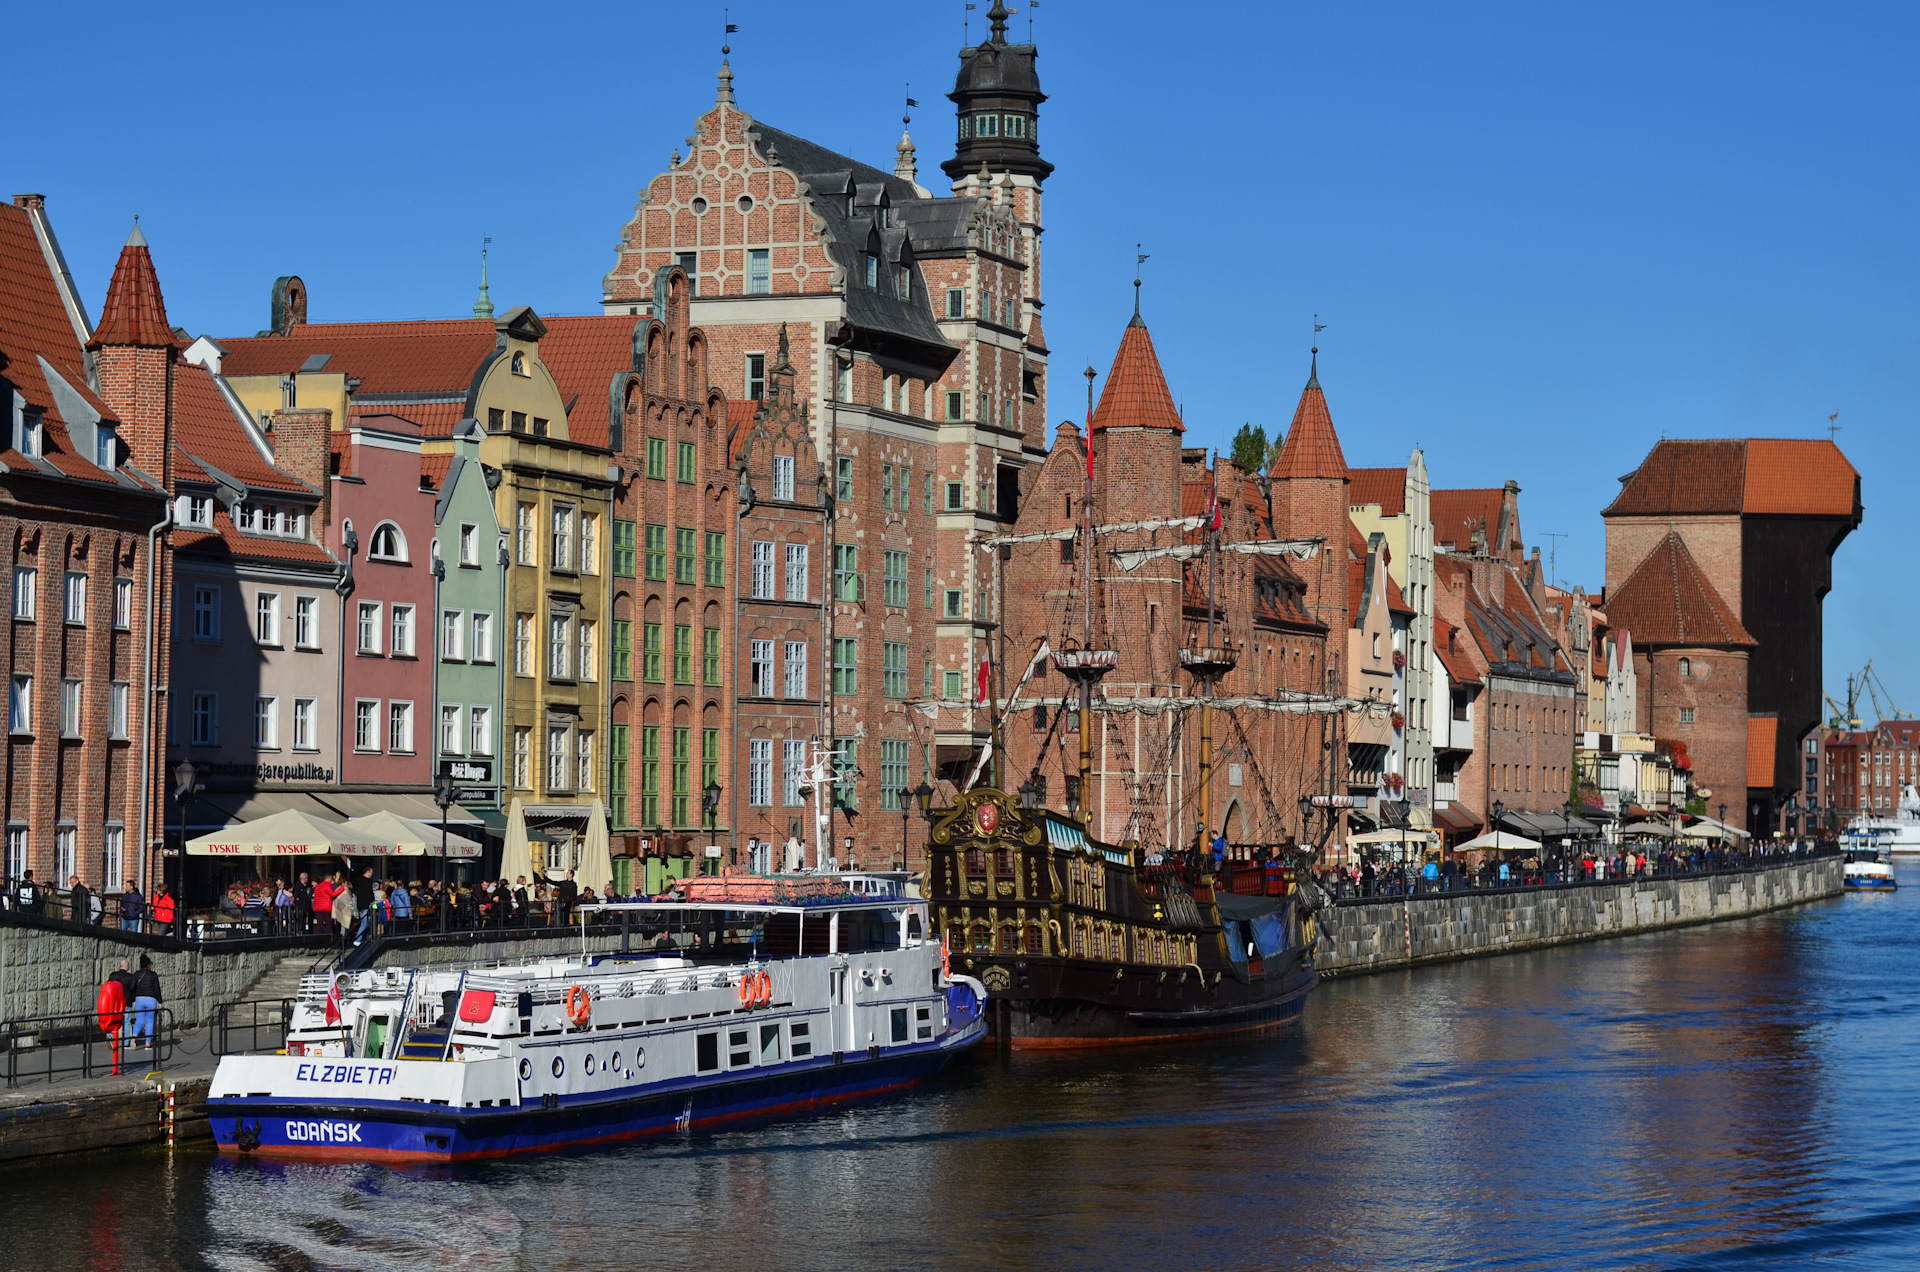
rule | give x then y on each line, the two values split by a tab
27	895
569	897
363	903
79	900
323	893
133	908
146	1001
282	908
303	902
343	911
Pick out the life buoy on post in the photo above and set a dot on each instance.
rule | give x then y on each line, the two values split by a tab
749	989
763	987
579	1006
946	966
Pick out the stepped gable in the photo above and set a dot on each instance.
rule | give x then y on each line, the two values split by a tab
1136	393
1761	476
1312	449
134	312
1384	486
1668	601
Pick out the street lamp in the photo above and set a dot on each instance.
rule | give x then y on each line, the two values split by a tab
186	788
1031	793
710	802
1499	815
905	796
443	796
1306	815
924	794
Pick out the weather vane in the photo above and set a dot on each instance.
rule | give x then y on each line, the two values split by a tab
1832	428
906	116
1139	259
731	27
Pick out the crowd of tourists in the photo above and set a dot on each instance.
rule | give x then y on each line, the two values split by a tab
1374	877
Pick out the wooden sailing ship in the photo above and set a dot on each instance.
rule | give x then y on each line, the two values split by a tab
1081	943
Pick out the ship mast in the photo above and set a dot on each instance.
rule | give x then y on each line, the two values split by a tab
1212	660
1086	665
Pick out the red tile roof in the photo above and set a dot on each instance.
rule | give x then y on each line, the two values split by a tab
34	325
134	312
1458	513
740	414
1384	486
1136	394
1446	647
433	471
226	541
1312	448
584	352
386	357
1668	601
206	429
434	419
1762	736
1757	476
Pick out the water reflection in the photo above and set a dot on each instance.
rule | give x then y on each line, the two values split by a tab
1730	1096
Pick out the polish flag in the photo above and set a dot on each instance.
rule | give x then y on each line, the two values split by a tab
986	669
333	1002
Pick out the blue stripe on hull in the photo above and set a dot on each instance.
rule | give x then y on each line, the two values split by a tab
1872	885
296	1128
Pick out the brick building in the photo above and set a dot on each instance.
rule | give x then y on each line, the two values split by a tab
90	416
913	327
1760	520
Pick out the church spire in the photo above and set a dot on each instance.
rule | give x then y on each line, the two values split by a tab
1312	448
483	307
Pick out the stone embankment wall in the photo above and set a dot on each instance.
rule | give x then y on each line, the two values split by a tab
116	1113
1405	932
54	969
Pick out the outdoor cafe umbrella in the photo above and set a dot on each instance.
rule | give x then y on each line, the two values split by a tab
1499	841
516	860
292	833
1653	828
1708	828
413	838
596	859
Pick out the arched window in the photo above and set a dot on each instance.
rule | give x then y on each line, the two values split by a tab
387	543
520	364
1686	666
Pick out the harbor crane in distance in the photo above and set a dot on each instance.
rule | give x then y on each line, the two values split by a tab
1866	681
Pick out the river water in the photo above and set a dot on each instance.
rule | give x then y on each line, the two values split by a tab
1728	1097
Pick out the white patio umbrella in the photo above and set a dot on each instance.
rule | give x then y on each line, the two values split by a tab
292	833
1499	841
1708	828
516	859
596	859
413	838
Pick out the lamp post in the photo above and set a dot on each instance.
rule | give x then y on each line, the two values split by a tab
443	796
186	788
1499	815
1566	827
710	802
905	796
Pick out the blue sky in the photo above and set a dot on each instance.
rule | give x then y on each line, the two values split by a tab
1541	236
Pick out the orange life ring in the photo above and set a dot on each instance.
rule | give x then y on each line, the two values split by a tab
764	987
579	1005
946	967
747	991
111	1007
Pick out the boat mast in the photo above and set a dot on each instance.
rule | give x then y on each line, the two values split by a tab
1086	609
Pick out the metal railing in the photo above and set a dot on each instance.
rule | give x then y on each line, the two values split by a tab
44	1048
1396	882
252	1025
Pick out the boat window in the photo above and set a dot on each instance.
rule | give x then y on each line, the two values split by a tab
801	1039
976	861
739	1054
924	1018
770	1044
865	931
913	925
784	935
706	1052
982	941
1003	861
1033	938
1007	939
614	1063
559	1065
899	1024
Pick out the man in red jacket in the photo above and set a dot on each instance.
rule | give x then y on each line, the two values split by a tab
323	894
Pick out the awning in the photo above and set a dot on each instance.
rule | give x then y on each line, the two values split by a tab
1392	836
1065	835
217	809
291	834
546	814
1456	816
1548	823
1498	841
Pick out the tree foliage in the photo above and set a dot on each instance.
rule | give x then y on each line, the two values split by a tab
1251	451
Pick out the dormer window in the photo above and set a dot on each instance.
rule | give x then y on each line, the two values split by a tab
884	214
1015	125
520	364
106	447
986	125
873	271
31	434
850	203
904	280
195	510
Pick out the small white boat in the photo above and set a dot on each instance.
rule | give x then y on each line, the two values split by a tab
1899	834
1869	866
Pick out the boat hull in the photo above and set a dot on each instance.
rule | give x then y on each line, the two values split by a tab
409	1132
1870	883
1065	1006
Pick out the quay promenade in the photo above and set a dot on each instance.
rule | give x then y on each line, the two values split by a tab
1360	934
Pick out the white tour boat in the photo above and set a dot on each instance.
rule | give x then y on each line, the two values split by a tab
721	1011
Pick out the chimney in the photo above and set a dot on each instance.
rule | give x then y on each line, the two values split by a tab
289	304
135	354
302	440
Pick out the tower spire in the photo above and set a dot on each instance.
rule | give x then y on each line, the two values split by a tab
483	307
998	16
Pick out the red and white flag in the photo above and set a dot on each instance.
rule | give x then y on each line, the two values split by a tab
1213	497
333	1002
986	669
